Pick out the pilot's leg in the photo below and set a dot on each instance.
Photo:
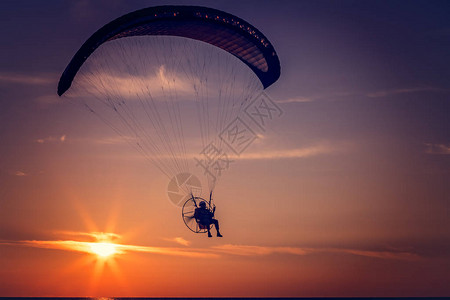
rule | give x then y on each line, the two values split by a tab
209	232
216	224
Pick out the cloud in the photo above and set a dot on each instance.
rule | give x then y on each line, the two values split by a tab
93	236
296	100
178	240
319	96
401	255
107	140
170	251
160	77
437	149
322	148
245	250
293	153
376	94
15	78
57	245
52	139
126	86
212	252
86	242
112	140
20	173
405	91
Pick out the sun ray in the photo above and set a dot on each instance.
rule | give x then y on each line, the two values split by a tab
114	267
112	218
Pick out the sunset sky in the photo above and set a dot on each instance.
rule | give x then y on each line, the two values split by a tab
346	193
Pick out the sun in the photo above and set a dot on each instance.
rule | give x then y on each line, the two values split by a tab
103	250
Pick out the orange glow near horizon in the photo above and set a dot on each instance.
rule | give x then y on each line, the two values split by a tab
101	247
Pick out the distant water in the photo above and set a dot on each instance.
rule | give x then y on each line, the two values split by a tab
221	298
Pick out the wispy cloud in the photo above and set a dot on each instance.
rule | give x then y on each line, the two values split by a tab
437	149
320	149
86	247
57	245
16	78
376	94
52	139
401	255
296	100
178	240
106	140
112	140
93	236
20	173
187	252
319	96
86	242
245	250
125	86
405	91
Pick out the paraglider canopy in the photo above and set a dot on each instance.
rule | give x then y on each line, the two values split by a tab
212	26
172	81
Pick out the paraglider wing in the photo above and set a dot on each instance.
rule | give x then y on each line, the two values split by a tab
212	26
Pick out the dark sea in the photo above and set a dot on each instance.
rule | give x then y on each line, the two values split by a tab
221	298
